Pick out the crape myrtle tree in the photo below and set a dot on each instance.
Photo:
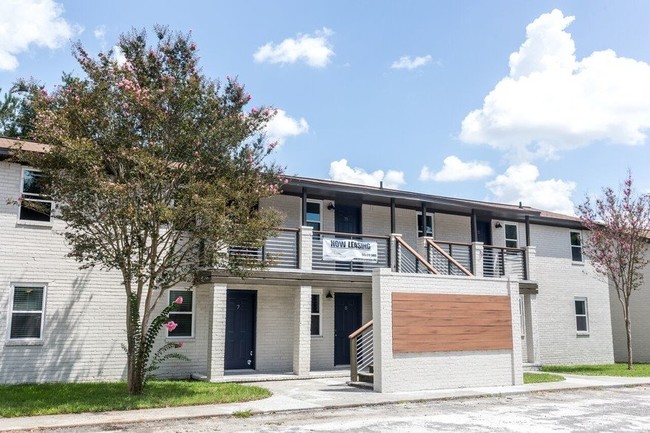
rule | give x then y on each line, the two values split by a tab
155	169
619	225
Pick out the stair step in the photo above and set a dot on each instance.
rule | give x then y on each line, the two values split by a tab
366	377
363	385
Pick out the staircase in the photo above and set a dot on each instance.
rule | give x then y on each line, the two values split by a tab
361	357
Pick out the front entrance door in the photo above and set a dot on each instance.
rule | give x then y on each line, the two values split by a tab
347	219
484	234
347	319
240	329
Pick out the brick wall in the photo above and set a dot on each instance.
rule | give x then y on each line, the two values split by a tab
396	372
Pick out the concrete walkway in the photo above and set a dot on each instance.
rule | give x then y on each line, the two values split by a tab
308	394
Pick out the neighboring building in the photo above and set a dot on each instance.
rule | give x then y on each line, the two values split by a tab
66	324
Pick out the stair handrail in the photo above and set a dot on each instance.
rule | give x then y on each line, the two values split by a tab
448	257
417	256
354	372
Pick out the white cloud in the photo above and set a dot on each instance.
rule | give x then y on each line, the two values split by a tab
520	184
315	50
282	126
100	33
455	170
550	101
24	23
342	172
405	62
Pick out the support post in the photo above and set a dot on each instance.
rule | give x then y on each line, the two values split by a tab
527	231
392	215
302	331
303	216
477	259
305	247
394	252
474	227
216	330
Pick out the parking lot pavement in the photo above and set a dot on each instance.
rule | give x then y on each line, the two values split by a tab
591	410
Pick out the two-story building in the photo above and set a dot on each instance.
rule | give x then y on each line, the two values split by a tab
322	286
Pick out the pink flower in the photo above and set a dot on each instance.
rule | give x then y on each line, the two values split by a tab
171	325
178	300
180	344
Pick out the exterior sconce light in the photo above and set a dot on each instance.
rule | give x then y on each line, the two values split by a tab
498	225
329	294
330	206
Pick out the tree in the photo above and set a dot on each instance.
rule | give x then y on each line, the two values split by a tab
16	114
156	169
619	225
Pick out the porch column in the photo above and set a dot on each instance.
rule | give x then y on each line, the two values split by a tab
305	245
394	259
531	255
302	331
532	325
477	259
216	331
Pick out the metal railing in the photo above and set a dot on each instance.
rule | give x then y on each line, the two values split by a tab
319	263
441	256
280	251
504	262
409	261
361	351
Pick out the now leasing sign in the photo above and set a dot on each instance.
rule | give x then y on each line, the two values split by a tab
349	250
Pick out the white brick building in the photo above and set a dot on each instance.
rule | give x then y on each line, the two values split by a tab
64	324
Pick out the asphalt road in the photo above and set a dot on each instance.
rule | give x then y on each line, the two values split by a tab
603	410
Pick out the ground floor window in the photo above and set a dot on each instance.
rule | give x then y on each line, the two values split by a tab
183	315
316	315
26	316
582	315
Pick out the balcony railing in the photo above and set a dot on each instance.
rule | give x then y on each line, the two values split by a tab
321	262
450	258
304	249
280	251
504	261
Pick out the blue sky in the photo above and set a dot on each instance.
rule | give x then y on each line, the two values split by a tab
427	96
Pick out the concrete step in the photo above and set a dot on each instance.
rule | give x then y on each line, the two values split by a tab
362	385
529	366
366	377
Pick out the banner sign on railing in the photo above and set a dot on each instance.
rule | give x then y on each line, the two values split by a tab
349	250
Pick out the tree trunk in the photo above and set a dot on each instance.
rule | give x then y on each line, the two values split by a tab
628	334
135	381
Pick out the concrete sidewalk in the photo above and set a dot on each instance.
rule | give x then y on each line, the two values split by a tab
308	394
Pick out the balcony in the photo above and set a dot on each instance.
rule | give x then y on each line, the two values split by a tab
331	252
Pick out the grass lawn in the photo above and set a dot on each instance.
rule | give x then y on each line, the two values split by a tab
54	398
541	377
639	370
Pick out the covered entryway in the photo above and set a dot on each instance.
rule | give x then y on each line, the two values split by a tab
347	319
241	306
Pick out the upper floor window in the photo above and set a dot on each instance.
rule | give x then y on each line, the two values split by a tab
576	247
582	315
26	315
183	315
428	228
314	215
35	206
511	236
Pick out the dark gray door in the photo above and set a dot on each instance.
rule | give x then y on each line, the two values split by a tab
347	219
240	329
347	319
484	234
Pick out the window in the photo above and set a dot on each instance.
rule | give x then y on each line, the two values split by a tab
314	215
316	314
26	318
183	315
576	247
429	225
582	316
34	206
511	236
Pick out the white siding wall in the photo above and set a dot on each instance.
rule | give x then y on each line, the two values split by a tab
452	228
560	281
640	318
84	310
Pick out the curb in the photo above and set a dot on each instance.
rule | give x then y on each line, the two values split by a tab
255	412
